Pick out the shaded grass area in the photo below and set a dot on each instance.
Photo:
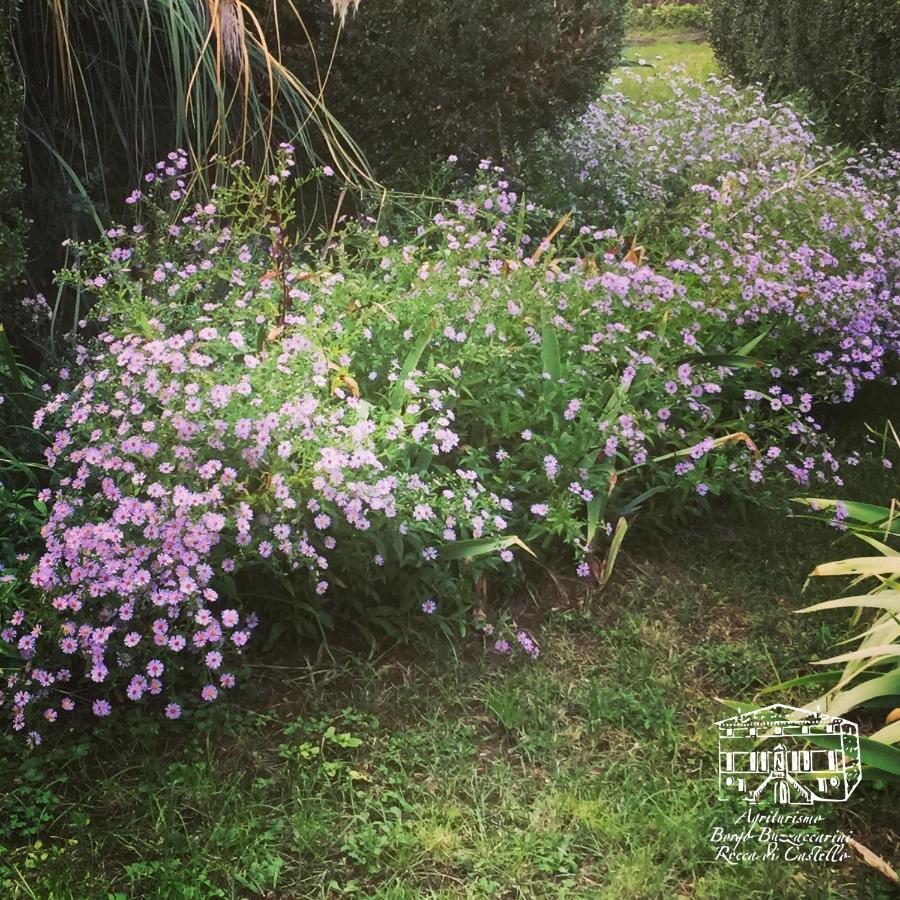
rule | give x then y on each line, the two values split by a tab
440	770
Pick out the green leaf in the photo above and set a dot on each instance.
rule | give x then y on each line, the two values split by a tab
409	364
423	460
594	511
867	513
728	360
872	754
750	346
9	358
615	544
550	358
616	399
480	546
816	678
843	701
634	505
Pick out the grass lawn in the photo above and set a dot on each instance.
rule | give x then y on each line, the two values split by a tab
665	54
434	770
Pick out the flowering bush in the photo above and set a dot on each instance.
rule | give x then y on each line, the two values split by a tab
384	425
211	431
755	215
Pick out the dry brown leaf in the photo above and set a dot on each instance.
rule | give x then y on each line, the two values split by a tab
342	379
745	438
352	384
545	243
875	861
893	716
635	254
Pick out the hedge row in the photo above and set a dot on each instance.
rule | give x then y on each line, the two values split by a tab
844	53
416	80
12	221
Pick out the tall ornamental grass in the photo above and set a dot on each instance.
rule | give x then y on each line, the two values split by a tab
111	86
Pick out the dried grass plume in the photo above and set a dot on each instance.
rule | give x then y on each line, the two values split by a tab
228	22
342	7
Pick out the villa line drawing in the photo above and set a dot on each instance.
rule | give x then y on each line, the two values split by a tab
773	753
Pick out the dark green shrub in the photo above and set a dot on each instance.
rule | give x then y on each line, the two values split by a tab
416	80
12	221
845	54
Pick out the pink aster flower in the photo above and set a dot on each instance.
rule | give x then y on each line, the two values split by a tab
209	693
155	668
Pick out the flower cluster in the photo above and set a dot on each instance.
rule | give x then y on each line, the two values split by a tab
762	223
279	434
187	456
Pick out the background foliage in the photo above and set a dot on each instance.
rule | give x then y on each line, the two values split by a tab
415	80
670	17
12	221
793	45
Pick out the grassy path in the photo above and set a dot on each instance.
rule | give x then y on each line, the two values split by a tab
443	771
